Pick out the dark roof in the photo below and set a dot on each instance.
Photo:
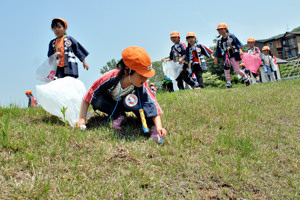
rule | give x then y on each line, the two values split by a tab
278	36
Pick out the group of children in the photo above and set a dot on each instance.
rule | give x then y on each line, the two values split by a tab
268	61
126	88
191	57
228	47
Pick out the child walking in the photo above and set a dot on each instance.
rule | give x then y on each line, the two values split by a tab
126	89
229	48
177	54
66	48
32	102
267	59
254	51
195	59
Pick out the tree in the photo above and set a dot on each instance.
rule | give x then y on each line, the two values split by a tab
159	74
110	65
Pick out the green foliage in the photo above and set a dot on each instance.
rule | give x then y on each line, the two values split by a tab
215	69
159	74
287	69
296	29
110	65
63	111
212	80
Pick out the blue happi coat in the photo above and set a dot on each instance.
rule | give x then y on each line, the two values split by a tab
72	50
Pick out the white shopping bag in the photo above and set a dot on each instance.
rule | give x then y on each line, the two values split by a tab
47	69
171	69
273	65
62	93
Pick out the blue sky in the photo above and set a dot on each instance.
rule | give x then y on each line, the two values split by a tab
105	28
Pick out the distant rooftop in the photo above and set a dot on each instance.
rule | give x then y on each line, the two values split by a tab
279	36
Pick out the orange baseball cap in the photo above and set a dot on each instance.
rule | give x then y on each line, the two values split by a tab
191	34
175	34
152	84
28	92
222	25
266	48
64	21
251	39
137	59
242	64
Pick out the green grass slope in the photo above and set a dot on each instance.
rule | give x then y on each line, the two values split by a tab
240	143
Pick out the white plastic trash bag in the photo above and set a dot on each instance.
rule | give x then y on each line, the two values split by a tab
62	93
171	69
273	65
47	69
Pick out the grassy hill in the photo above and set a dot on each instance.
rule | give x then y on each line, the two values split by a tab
240	143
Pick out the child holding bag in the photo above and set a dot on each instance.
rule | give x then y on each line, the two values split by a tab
267	60
66	48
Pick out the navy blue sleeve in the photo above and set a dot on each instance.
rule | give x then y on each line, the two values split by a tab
50	49
204	51
236	41
218	50
29	102
171	54
187	57
78	49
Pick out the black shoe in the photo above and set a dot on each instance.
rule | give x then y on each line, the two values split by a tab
247	83
228	85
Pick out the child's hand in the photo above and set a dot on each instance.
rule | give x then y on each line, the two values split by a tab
58	55
85	65
180	61
162	132
80	122
215	60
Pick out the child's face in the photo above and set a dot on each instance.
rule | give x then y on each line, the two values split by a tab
191	40
28	95
251	44
59	30
175	40
266	52
137	80
222	31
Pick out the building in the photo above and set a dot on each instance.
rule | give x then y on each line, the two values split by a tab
283	46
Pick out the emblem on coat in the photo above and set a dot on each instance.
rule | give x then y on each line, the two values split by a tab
131	100
68	43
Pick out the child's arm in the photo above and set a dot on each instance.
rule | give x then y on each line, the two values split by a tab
165	59
182	59
85	65
82	115
161	131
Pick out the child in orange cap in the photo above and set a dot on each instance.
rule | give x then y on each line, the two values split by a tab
229	48
32	102
126	89
66	48
267	60
254	50
195	59
177	54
